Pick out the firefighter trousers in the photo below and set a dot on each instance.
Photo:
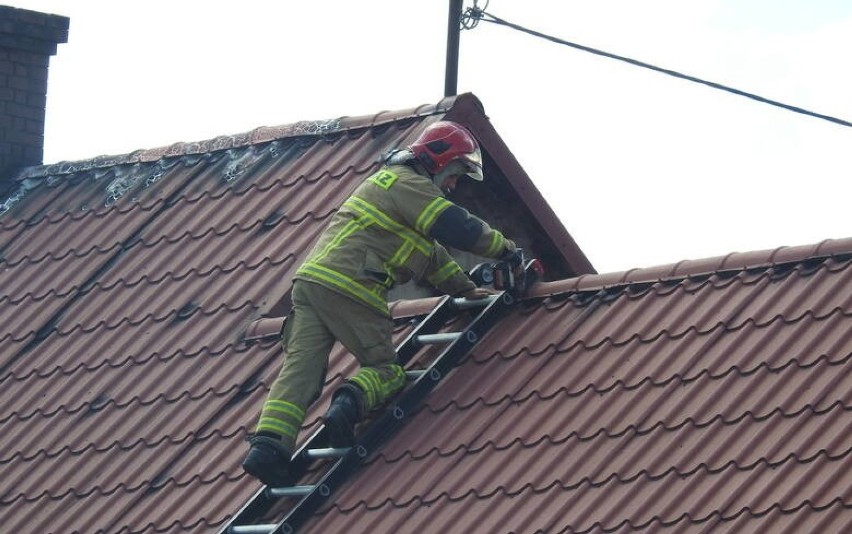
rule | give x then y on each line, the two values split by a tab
320	317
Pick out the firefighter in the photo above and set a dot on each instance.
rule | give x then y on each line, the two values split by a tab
394	227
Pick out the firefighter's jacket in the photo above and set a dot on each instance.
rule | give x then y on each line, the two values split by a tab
380	237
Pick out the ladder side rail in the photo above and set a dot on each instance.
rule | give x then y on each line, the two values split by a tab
255	507
448	308
395	415
261	501
431	323
406	404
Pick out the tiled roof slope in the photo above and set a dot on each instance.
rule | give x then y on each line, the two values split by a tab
127	386
706	396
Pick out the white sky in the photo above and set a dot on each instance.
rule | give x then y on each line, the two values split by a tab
642	169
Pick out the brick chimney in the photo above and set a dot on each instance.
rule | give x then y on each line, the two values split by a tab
27	40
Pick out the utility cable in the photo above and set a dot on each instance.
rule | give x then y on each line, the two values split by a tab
473	15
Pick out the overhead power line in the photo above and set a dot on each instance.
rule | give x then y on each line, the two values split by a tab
473	15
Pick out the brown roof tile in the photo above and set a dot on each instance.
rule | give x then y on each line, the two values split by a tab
684	404
142	297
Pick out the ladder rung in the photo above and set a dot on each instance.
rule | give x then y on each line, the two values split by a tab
433	339
466	304
310	497
292	491
316	454
251	529
415	374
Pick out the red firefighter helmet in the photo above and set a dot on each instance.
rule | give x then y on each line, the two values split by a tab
444	142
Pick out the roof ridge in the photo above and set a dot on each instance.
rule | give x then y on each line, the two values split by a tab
734	261
261	134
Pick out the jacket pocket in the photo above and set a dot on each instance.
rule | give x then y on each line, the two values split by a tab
375	269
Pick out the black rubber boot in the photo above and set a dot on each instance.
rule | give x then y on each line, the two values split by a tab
267	461
344	413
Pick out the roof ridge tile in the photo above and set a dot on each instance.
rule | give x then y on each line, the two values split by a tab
256	136
684	269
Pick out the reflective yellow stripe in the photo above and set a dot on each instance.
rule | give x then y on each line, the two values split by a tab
367	387
378	385
351	227
375	385
402	254
364	386
285	407
376	389
270	424
397	382
445	272
281	417
382	219
496	246
430	213
343	282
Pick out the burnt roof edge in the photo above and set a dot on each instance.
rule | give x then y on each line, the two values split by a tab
262	134
465	108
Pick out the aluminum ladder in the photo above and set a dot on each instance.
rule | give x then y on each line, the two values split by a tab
346	461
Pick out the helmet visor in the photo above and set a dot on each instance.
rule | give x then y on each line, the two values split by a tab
473	162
